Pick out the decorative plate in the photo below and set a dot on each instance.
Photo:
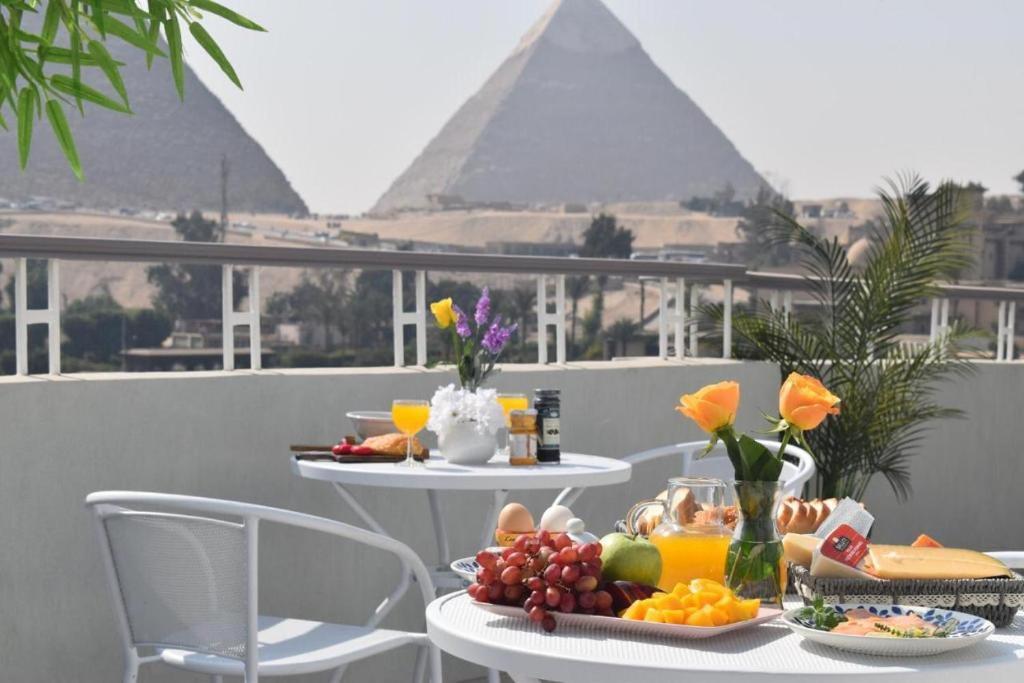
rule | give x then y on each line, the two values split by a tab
465	568
628	626
969	630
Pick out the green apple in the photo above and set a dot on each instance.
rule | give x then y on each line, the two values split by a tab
630	558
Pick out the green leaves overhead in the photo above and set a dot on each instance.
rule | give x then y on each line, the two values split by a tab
59	124
34	67
28	102
80	91
230	15
173	33
212	49
109	67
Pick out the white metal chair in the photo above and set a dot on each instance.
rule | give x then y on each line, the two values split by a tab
183	572
715	464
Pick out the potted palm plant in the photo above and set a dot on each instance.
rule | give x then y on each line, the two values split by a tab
851	339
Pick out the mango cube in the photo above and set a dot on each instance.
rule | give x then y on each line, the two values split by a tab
654	615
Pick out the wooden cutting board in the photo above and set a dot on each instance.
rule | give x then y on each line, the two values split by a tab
322	454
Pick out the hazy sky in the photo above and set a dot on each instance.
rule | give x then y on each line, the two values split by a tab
824	97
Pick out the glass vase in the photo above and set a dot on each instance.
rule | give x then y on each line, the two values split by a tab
755	567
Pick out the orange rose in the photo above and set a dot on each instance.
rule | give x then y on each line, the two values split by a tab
804	402
713	406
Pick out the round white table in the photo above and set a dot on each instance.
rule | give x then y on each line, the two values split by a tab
496	476
770	652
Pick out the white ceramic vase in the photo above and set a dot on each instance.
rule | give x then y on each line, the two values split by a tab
462	444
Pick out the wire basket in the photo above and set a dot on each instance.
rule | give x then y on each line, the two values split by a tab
996	599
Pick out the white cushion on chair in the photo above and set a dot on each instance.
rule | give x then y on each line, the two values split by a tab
296	646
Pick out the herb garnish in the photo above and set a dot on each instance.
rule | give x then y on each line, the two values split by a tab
820	616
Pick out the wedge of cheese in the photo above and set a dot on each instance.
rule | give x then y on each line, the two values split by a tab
906	562
799	548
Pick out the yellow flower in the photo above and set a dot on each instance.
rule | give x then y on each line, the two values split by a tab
804	402
713	406
443	313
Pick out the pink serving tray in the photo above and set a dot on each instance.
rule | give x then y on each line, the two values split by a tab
628	626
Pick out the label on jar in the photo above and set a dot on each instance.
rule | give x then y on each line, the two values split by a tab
550	432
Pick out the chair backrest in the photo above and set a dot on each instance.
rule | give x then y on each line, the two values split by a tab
182	579
183	576
797	468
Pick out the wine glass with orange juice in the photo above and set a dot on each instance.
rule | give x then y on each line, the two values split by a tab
409	416
508	403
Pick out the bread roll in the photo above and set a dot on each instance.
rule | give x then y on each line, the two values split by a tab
394	444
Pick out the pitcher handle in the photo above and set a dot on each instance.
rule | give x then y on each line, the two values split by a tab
638	509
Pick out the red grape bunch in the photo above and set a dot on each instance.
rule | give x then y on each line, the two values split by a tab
543	574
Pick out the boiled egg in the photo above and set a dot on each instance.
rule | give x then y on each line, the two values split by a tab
515	518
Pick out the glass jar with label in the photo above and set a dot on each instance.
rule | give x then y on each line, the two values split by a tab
548	404
522	437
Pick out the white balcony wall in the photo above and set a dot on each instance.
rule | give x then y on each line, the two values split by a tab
226	435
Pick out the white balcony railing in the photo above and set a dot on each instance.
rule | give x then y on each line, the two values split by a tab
680	288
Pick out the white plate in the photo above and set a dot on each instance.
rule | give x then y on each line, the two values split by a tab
970	630
628	626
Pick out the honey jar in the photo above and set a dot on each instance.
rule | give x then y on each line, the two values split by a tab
522	437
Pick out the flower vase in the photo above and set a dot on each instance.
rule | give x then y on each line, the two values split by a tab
755	567
464	444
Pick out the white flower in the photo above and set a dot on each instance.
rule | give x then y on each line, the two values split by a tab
452	405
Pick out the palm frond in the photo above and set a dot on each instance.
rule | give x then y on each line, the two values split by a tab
851	341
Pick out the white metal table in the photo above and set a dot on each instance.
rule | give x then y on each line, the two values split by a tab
770	652
496	476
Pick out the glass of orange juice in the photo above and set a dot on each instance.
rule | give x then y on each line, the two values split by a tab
409	416
691	537
508	403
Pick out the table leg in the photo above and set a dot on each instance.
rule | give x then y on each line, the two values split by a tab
523	679
493	676
360	510
491	520
440	533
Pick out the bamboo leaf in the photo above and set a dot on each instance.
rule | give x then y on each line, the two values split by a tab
173	33
131	36
156	11
109	67
229	14
60	55
27	103
212	49
76	53
59	124
81	91
98	17
127	7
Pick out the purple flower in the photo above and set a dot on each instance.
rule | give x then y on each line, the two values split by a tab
483	307
462	323
497	336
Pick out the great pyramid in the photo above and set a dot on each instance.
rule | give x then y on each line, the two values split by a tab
166	156
578	113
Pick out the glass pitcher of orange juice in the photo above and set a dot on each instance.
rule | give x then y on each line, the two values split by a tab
692	537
